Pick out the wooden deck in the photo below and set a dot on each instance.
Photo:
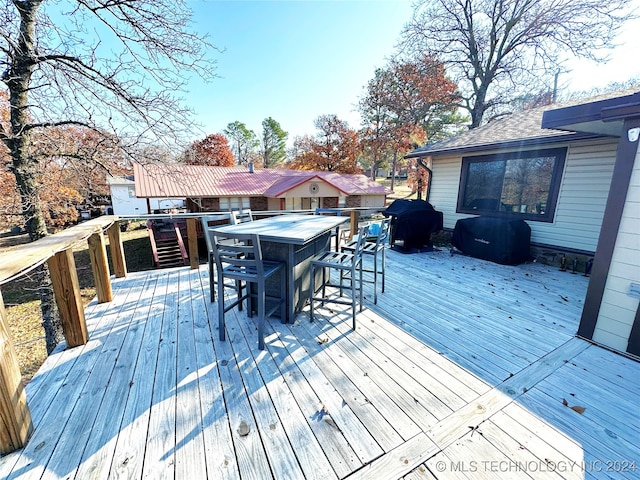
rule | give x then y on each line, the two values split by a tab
464	369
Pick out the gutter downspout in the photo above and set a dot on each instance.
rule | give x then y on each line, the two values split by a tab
430	172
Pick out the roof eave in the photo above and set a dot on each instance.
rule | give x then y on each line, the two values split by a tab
602	117
511	144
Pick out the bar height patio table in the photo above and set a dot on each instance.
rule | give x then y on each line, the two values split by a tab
293	239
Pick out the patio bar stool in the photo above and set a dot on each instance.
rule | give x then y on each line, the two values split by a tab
239	257
348	264
209	221
374	247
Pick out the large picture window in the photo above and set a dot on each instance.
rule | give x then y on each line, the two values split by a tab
518	184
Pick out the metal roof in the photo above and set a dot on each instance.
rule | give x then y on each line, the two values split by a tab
178	180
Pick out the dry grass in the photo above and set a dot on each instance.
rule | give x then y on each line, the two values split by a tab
23	305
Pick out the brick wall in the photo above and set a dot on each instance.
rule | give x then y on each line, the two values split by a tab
353	201
211	204
330	202
259	203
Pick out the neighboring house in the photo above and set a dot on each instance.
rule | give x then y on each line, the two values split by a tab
572	173
224	188
125	202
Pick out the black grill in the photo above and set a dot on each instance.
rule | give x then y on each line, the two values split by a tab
413	222
500	240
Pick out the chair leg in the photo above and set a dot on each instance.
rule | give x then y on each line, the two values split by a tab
383	267
212	285
261	309
239	290
361	291
283	296
312	290
221	310
354	300
375	278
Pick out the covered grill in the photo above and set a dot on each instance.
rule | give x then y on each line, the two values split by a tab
413	222
499	240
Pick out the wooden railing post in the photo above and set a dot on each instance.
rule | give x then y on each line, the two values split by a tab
355	219
64	278
192	236
117	250
15	418
100	267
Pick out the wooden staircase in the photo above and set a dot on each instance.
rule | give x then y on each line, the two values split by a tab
167	244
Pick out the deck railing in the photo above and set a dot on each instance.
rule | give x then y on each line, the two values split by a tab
57	251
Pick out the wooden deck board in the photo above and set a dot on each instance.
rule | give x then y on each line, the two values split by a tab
286	416
156	394
189	450
159	448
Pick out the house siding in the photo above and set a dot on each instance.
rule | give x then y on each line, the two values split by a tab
618	309
581	200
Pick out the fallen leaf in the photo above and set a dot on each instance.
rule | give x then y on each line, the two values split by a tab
243	429
575	408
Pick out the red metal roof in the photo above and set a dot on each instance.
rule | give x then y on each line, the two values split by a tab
178	180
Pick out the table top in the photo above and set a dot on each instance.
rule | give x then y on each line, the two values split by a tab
289	228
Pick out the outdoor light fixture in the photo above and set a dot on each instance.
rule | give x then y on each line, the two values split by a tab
633	134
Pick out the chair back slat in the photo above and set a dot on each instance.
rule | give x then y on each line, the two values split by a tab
241	252
241	216
359	245
384	233
207	221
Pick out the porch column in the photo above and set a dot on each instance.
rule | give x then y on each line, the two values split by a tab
117	250
100	267
66	288
192	238
15	418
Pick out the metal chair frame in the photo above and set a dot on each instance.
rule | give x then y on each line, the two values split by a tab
208	238
239	257
348	264
374	249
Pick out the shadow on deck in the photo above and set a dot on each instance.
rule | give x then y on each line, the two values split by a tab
464	369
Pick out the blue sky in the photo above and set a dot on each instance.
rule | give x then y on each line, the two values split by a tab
294	60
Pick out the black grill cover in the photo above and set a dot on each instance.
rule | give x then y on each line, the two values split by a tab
413	221
500	240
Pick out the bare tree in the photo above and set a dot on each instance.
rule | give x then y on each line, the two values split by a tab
496	50
113	66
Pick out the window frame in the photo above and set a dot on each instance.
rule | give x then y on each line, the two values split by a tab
560	155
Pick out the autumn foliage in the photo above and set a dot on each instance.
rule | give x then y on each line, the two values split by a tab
72	166
334	148
213	150
407	103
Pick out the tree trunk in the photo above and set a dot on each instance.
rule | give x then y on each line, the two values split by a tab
50	316
393	168
24	164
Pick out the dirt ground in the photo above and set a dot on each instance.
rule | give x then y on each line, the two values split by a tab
22	303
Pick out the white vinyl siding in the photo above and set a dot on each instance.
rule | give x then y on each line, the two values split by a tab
581	200
444	189
618	309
